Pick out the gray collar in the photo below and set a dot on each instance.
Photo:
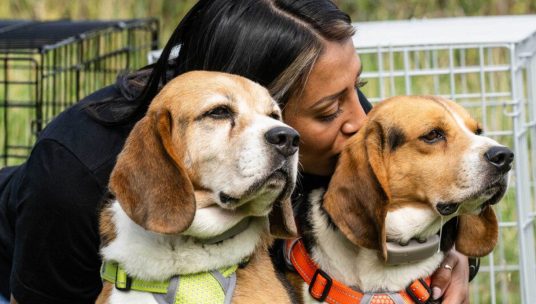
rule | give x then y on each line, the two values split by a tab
236	229
412	252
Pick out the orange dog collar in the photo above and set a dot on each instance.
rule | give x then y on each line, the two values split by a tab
323	288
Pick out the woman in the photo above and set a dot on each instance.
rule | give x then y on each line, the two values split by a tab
301	50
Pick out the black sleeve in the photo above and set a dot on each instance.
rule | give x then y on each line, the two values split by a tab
474	266
56	243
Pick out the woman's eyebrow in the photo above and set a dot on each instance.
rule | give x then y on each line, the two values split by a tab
328	99
332	97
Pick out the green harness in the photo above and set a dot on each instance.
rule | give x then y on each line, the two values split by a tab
206	287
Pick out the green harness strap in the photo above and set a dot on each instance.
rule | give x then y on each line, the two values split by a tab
206	287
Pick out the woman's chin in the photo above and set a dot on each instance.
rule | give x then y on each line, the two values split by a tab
319	170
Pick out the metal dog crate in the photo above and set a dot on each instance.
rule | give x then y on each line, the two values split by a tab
47	66
487	64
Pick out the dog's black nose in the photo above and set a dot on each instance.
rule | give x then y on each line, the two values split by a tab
285	140
500	157
447	208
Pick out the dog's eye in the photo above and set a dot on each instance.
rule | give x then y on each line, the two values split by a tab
275	116
221	112
479	131
433	136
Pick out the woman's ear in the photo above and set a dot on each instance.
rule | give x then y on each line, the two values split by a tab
477	233
282	224
357	195
149	179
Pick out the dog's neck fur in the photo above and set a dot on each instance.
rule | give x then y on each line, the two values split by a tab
150	256
356	267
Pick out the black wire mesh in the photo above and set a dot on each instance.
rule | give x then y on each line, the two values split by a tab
47	66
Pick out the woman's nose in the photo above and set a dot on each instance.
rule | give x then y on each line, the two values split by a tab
354	120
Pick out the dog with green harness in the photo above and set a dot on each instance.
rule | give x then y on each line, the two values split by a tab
198	192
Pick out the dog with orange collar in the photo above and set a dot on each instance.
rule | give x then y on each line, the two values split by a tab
377	233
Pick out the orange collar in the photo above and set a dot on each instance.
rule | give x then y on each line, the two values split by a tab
323	288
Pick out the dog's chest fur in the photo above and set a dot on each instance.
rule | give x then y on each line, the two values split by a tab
356	267
154	256
151	256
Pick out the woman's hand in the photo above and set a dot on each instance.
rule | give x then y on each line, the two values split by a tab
451	279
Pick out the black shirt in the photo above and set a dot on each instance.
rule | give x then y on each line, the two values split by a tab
49	236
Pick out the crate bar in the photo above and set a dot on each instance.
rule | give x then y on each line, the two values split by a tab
381	74
392	66
4	105
492	281
531	126
526	243
500	268
444	71
437	47
407	76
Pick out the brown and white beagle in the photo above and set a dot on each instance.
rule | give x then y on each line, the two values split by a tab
203	182
418	162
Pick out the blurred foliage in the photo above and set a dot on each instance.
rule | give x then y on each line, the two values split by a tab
367	10
170	12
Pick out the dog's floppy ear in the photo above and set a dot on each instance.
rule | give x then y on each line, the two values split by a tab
149	179
357	195
282	224
477	233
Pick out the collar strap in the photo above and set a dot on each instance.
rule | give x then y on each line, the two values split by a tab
236	229
323	288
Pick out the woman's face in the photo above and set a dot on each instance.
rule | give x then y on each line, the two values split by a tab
328	112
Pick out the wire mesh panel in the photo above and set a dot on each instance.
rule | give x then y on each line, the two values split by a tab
47	66
488	65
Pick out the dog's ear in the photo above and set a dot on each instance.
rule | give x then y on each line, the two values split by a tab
357	195
149	179
477	233
282	224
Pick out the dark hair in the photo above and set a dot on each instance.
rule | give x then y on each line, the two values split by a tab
272	42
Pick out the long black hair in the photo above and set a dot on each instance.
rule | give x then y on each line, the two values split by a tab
272	42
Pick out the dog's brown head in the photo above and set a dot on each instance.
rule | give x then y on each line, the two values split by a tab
209	141
418	159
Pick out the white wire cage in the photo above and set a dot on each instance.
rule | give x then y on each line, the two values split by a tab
488	65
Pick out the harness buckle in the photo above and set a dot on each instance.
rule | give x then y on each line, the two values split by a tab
123	281
327	288
416	298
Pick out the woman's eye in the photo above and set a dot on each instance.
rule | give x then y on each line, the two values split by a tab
330	117
360	83
433	136
221	112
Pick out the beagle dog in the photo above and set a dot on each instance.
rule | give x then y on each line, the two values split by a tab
418	162
202	184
